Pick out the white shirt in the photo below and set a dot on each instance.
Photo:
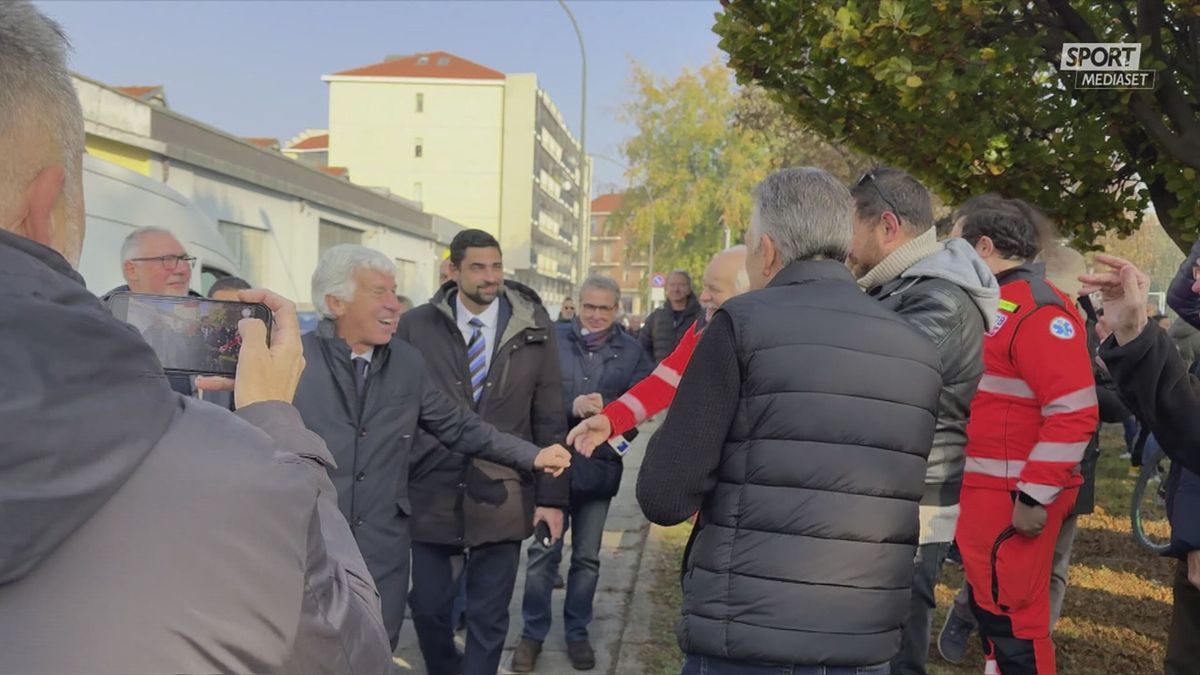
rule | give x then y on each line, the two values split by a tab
365	356
490	317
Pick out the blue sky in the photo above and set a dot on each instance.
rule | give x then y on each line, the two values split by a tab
254	68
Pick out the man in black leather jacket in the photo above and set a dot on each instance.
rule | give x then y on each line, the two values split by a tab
947	293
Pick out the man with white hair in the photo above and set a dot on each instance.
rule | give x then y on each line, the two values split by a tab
799	433
366	394
153	261
145	531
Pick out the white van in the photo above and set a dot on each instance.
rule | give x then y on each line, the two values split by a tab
119	201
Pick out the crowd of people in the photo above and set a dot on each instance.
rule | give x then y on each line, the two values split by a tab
856	395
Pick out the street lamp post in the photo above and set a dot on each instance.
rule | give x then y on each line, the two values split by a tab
584	175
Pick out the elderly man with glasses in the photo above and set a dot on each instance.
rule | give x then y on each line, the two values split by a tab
155	263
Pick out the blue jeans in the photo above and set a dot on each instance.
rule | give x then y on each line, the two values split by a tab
711	665
586	522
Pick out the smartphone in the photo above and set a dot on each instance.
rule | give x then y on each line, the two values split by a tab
190	335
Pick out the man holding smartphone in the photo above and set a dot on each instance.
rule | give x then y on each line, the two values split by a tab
145	531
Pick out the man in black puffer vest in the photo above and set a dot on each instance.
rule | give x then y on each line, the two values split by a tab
808	480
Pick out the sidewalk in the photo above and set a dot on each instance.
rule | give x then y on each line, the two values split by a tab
620	559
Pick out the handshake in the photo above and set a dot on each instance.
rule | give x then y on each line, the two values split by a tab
553	460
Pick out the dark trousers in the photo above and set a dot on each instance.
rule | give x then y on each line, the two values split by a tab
491	574
389	567
1183	641
914	642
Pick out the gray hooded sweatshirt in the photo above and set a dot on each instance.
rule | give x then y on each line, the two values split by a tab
142	531
948	294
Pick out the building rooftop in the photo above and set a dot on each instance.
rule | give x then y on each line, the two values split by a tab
434	65
339	171
154	93
606	203
319	142
262	142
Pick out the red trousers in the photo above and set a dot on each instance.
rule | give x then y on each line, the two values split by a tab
1009	578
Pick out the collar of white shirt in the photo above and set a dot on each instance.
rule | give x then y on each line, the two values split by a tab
490	316
366	356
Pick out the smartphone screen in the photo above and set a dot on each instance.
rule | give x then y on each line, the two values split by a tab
189	334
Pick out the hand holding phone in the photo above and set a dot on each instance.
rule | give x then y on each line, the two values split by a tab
191	335
265	373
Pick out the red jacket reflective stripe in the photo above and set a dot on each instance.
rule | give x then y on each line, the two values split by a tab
655	393
1035	409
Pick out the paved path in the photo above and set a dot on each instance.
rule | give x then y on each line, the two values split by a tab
620	558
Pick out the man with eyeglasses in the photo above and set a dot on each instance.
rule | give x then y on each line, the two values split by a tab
946	292
599	362
155	263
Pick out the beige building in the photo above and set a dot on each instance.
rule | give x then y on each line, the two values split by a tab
611	256
482	148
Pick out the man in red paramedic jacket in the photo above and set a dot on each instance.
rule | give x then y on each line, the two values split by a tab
1031	420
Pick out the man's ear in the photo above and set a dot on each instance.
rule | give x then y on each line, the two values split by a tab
336	305
770	255
985	247
41	196
891	225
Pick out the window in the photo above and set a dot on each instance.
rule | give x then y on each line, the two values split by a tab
443	61
248	245
331	234
419	148
418	191
420	102
423	61
406	277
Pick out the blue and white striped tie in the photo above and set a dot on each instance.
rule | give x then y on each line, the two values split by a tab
477	358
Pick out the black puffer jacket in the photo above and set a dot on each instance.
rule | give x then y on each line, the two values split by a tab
805	545
472	502
952	299
662	330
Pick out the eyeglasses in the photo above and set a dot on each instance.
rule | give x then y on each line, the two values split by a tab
870	176
169	262
598	308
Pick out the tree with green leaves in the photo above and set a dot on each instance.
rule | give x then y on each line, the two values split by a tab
967	95
700	147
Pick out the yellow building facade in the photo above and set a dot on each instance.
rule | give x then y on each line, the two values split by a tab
482	148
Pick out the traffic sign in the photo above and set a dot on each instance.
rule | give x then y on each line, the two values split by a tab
658	280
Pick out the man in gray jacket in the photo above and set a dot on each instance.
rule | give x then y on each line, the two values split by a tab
946	292
807	480
142	531
366	393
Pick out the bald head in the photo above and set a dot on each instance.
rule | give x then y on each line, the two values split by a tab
1064	266
724	278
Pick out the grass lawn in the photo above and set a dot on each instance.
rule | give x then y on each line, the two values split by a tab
1114	619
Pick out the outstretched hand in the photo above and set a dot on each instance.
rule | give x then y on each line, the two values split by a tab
1125	290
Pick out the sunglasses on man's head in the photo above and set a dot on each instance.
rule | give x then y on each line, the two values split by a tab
870	176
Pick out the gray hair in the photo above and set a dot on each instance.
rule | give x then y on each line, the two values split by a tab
910	200
133	243
600	282
36	94
805	212
335	273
